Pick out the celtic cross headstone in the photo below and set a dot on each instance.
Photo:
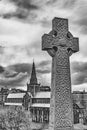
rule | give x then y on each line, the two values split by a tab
60	44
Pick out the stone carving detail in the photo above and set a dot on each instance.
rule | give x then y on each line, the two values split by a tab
60	44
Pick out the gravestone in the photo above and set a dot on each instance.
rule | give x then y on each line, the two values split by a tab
60	44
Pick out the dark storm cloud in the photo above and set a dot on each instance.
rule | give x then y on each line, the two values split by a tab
83	20
79	78
14	75
11	75
24	8
18	74
21	67
15	81
26	67
79	67
44	67
45	71
24	4
83	24
1	69
19	13
44	63
79	73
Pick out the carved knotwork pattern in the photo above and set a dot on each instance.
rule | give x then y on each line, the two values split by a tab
61	103
60	44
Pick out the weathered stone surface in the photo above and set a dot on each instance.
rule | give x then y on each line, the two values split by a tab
60	44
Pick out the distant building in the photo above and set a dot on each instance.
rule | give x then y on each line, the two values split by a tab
14	90
3	95
79	105
40	107
18	99
37	100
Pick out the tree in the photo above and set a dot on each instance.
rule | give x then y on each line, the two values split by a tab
14	119
2	122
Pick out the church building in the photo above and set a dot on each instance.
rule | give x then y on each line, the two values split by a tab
40	99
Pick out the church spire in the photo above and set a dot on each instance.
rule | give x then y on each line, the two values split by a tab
33	79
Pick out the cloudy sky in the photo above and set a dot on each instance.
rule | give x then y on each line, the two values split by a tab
22	23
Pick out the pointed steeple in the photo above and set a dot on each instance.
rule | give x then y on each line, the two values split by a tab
33	79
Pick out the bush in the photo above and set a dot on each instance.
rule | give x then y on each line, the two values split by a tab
14	119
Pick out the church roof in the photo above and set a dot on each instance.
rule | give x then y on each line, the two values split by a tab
16	95
42	95
80	105
12	104
40	105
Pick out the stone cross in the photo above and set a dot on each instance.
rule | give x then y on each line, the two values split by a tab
60	44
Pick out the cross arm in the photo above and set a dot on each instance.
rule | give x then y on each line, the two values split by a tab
75	44
46	41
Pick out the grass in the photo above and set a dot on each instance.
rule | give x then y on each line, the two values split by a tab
76	126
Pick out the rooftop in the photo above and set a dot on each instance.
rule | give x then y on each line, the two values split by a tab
13	104
44	105
42	95
17	95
